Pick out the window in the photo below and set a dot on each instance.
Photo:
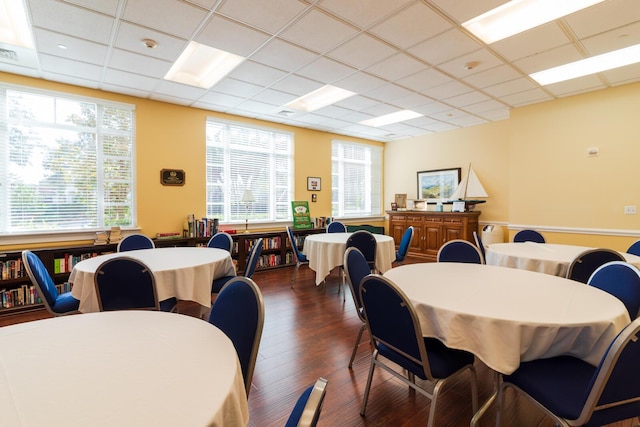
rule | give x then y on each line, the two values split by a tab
356	179
240	157
66	163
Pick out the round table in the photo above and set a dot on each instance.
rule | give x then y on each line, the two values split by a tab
120	368
546	258
325	251
505	316
182	272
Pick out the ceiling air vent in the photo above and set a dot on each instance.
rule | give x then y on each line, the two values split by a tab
286	113
8	54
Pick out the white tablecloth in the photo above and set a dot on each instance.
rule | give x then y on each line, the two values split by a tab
505	315
121	368
326	251
546	258
184	272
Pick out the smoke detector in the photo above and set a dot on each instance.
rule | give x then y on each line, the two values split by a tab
471	65
149	44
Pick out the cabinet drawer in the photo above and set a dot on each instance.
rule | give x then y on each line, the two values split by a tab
453	219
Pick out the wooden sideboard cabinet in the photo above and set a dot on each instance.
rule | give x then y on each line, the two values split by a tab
432	229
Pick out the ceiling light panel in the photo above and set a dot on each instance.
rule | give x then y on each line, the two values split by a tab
202	66
398	116
319	98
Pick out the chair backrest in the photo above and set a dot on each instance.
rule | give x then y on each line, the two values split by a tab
621	280
252	258
221	240
336	227
615	391
581	268
134	242
634	248
366	243
306	411
41	279
125	283
356	268
459	250
480	245
294	246
528	236
405	242
392	321
238	311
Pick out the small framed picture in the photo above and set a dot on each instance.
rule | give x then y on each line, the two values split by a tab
314	183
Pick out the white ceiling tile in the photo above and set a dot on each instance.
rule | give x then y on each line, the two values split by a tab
127	61
628	74
396	67
495	115
109	7
613	40
465	99
283	55
70	80
488	105
411	101
130	37
333	111
220	99
357	103
179	90
318	32
255	107
380	110
130	80
463	10
75	21
388	93
432	108
237	88
57	65
447	90
269	16
125	90
20	69
363	12
296	85
361	51
603	17
406	28
255	73
480	60
492	76
575	86
531	42
245	40
325	70
274	97
169	16
156	96
360	82
548	59
510	87
444	47
76	49
527	97
424	79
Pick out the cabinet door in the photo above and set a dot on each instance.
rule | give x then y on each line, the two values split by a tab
432	238
417	244
452	232
397	226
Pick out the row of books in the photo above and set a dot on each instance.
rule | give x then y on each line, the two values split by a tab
25	295
12	269
204	227
66	263
270	260
267	243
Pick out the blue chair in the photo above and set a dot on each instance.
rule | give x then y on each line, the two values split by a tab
366	243
239	312
397	337
56	303
298	256
356	268
583	266
480	245
249	267
405	243
307	410
459	250
621	280
221	240
126	283
134	242
528	236
336	227
634	249
575	393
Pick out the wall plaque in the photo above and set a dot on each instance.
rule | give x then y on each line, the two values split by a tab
172	177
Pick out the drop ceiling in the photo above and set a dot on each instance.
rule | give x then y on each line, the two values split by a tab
395	54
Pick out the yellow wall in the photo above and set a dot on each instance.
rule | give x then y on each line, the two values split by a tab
536	171
170	136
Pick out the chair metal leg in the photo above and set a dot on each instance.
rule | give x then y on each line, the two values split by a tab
368	387
295	274
355	347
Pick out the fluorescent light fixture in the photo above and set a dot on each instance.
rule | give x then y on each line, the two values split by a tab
584	67
202	66
387	119
319	98
518	16
14	28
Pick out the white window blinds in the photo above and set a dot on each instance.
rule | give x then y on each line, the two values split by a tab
241	157
66	163
356	179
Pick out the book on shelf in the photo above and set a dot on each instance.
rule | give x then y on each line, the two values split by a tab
115	235
165	236
102	238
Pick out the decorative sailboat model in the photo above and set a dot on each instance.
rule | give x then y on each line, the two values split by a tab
468	191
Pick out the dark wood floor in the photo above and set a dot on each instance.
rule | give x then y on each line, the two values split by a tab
309	333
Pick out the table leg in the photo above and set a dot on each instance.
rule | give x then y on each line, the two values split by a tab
486	405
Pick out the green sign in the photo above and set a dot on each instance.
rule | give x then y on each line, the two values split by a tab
301	215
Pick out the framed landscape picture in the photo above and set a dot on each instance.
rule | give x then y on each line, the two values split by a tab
437	185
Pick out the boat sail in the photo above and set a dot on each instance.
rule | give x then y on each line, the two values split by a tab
469	190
